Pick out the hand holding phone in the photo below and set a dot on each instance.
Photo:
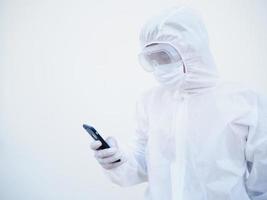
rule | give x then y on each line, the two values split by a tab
96	136
109	156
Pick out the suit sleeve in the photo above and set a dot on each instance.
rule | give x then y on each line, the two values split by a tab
256	153
134	170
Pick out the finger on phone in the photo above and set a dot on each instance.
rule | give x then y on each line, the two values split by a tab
110	159
105	152
95	145
111	165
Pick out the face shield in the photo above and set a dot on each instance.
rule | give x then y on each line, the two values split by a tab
159	55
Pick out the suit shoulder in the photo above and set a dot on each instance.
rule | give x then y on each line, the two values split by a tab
236	89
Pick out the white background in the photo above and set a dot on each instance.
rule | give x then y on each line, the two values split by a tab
66	62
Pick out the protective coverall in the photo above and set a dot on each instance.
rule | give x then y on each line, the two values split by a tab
199	140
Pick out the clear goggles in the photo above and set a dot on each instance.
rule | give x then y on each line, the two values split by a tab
158	54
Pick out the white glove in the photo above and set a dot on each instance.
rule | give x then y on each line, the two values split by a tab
107	157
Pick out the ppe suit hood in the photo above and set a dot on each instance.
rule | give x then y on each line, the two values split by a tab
183	29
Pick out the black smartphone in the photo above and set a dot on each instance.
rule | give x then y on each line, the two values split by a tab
96	136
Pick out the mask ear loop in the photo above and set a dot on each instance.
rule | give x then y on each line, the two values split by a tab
184	67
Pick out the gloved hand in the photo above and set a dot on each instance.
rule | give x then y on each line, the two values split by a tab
107	157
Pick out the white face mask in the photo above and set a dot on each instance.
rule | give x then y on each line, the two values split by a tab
169	74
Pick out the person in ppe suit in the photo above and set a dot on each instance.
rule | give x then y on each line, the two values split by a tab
196	138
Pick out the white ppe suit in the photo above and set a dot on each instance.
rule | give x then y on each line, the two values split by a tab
201	139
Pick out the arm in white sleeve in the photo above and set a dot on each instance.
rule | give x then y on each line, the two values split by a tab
256	153
134	170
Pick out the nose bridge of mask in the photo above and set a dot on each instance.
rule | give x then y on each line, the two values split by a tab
169	67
